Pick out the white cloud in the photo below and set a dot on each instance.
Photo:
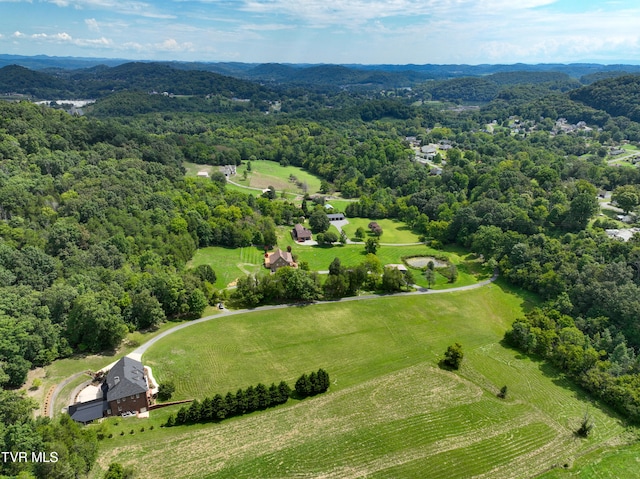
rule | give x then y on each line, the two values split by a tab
92	24
126	7
174	46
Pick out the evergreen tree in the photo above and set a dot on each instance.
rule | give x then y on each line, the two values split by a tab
206	409
303	386
252	399
262	396
193	413
219	407
231	404
181	416
285	392
241	402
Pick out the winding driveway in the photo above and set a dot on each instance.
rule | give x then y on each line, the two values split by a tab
140	350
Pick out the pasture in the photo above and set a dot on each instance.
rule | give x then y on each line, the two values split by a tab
393	231
390	411
269	173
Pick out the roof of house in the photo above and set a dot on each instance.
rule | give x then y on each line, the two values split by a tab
87	411
126	378
301	230
335	216
278	253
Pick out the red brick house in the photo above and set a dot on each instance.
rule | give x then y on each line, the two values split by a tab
126	388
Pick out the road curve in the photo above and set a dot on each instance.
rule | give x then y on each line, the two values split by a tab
144	347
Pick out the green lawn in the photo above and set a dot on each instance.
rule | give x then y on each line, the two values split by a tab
390	411
269	173
393	231
232	263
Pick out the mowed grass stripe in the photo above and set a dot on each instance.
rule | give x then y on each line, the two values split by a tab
476	459
362	447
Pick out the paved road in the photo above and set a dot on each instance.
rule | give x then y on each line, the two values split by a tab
143	348
60	387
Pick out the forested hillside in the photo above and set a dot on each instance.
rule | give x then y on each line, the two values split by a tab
617	96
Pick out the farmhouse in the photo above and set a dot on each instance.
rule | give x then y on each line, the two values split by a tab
278	259
300	233
124	390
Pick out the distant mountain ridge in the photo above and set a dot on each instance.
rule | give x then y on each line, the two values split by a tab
329	74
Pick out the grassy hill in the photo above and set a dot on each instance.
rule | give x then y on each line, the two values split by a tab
390	411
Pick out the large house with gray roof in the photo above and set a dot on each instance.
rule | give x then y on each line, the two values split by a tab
124	390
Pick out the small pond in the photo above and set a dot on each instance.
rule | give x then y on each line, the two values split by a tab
422	262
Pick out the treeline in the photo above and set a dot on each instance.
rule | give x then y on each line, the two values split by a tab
245	401
298	284
66	449
601	363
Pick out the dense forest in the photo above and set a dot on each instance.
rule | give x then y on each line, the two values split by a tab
98	221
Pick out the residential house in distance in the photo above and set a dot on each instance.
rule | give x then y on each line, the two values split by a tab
278	259
300	233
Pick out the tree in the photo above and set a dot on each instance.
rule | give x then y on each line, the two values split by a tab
371	246
205	273
303	386
503	392
586	425
165	390
360	233
335	267
375	228
453	356
319	221
392	279
430	276
197	302
95	323
626	197
270	193
146	311
452	271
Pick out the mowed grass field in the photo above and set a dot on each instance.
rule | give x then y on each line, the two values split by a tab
269	173
393	231
390	411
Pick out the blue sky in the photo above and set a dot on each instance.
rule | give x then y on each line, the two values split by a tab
326	31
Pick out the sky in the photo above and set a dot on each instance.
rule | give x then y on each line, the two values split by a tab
326	31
